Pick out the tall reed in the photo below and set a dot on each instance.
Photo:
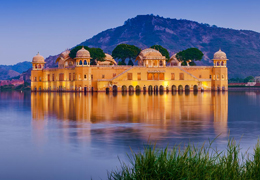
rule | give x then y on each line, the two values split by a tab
190	162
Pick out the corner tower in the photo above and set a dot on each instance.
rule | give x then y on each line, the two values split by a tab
220	73
83	71
36	73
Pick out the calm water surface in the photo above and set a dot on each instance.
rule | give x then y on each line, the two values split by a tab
79	136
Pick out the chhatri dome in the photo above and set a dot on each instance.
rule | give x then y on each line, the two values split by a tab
151	58
65	54
173	60
38	59
150	53
220	55
108	60
83	53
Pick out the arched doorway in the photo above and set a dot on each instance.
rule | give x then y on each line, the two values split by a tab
173	88
161	63
223	88
85	89
124	88
150	88
144	89
137	88
114	88
131	88
161	88
180	88
107	90
187	88
156	88
195	88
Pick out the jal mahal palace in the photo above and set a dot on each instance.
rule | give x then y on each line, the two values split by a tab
152	73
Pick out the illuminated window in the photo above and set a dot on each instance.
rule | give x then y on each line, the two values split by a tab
129	76
172	76
149	76
61	77
35	78
161	76
49	78
181	76
155	76
138	76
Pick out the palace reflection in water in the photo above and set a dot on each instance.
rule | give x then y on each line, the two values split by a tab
166	113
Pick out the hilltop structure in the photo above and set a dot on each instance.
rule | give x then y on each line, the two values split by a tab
151	74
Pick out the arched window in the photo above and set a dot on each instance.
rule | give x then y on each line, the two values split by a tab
85	62
222	63
161	63
217	63
80	62
35	66
40	66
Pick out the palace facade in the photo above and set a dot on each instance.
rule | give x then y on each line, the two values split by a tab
153	73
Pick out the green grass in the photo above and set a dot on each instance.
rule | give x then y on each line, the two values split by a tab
190	162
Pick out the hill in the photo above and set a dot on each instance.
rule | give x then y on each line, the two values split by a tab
242	46
10	71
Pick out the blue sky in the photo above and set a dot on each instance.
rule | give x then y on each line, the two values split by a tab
51	26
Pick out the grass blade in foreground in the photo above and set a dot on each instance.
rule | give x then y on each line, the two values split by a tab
191	163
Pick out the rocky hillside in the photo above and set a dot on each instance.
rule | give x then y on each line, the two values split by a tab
242	46
10	71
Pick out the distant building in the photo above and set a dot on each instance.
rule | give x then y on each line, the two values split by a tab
151	74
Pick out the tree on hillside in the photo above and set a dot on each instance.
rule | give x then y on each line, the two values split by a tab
124	51
162	50
130	63
95	53
188	56
249	79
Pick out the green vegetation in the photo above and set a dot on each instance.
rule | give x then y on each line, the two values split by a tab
162	50
191	162
23	87
124	51
96	53
241	80
189	56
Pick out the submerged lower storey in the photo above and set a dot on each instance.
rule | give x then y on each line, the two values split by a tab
130	78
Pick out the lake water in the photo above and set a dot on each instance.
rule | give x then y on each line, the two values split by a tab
79	136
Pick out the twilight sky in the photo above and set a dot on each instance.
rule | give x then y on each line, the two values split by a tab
51	26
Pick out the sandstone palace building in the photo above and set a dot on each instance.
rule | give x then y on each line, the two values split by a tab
153	73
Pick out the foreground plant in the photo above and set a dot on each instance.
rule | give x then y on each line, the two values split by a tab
190	162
